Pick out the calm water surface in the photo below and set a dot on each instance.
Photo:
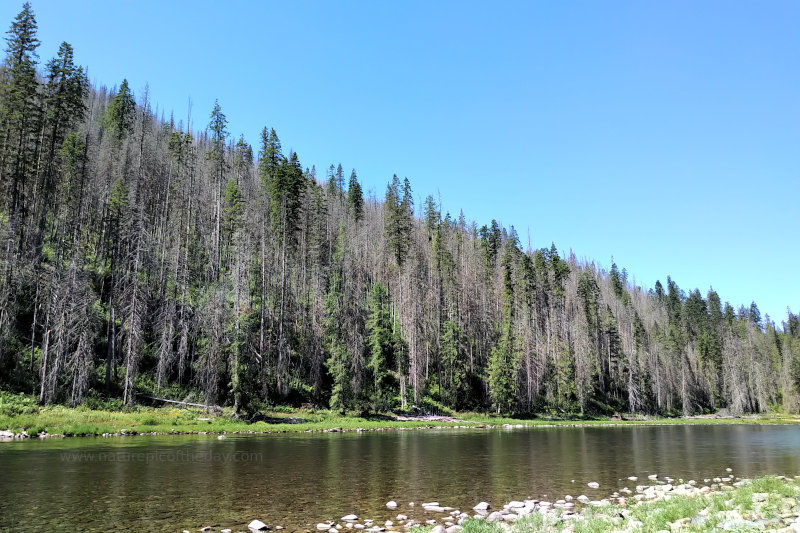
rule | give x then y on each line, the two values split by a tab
186	482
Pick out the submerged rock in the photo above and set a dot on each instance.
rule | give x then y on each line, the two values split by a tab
593	485
483	506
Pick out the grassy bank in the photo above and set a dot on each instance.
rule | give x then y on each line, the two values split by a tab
21	413
768	503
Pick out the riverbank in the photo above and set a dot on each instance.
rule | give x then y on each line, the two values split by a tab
724	503
24	419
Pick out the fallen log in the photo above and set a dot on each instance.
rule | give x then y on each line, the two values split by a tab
214	408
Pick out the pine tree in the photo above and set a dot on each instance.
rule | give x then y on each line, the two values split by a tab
18	107
503	361
355	198
399	213
379	342
120	113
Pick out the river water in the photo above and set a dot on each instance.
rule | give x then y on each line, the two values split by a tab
186	482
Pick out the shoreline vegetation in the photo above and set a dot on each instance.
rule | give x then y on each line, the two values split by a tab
723	503
21	417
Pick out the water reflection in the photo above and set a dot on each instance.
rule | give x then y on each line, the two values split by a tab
294	480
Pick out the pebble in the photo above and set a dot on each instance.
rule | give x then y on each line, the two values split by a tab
593	485
483	506
391	504
349	518
256	525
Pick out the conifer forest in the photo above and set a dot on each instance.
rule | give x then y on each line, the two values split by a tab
141	258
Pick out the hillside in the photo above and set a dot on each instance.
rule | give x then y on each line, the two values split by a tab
140	258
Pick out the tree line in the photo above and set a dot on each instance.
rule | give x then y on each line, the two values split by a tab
141	258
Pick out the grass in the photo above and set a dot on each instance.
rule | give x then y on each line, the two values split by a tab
20	412
763	499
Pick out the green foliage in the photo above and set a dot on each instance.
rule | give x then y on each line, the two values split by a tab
399	215
504	357
232	210
454	372
120	113
355	198
380	345
17	404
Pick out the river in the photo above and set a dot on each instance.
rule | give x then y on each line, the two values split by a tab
181	482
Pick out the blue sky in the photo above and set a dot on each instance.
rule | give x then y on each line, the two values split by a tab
664	134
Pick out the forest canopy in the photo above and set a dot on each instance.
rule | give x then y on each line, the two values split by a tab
143	259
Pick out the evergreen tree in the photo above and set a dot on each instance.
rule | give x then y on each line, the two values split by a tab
120	113
379	342
503	361
18	108
355	198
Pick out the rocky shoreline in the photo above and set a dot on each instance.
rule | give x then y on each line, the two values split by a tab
6	435
764	510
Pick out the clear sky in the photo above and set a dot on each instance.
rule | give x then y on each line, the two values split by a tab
664	134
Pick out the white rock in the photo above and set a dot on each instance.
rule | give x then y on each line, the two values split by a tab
206	528
402	517
224	531
324	526
632	478
483	506
256	525
516	504
438	529
430	504
349	518
359	526
392	504
652	476
349	525
333	530
434	508
494	517
388	523
221	437
593	485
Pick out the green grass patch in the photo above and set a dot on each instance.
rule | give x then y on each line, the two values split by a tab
99	415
